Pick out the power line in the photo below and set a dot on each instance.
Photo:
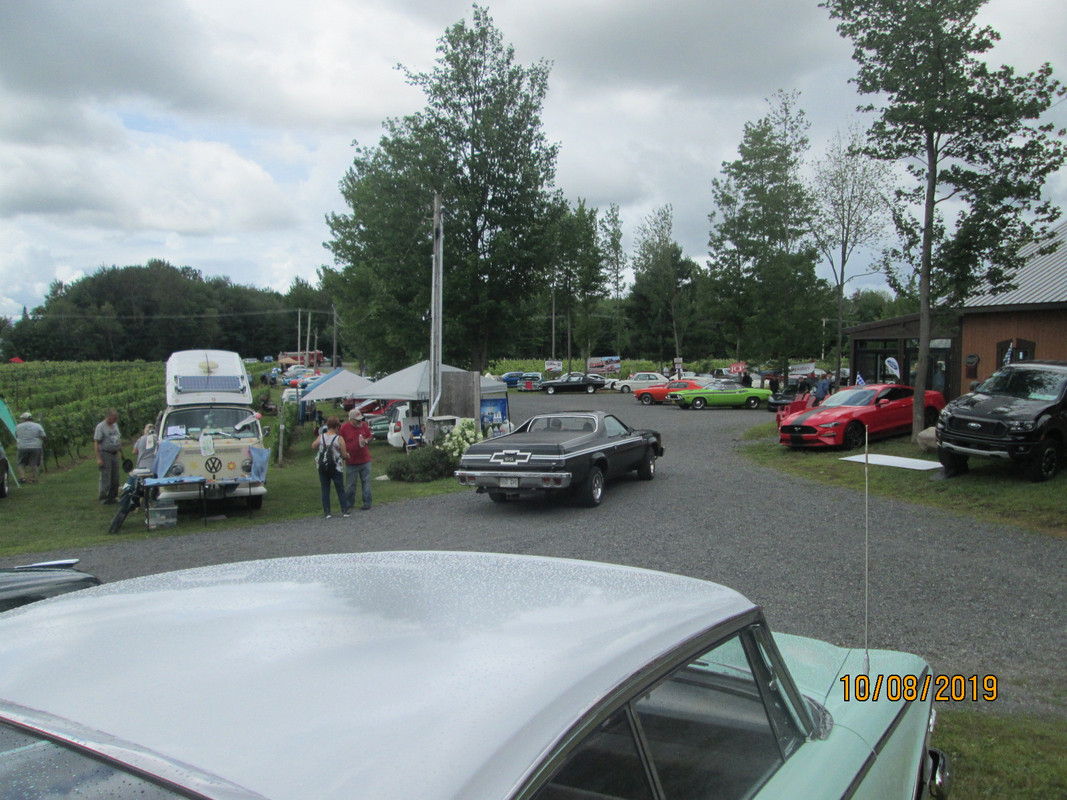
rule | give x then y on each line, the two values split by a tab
149	317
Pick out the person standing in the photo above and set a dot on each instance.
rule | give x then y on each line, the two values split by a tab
822	389
29	444
332	453
146	446
357	435
107	441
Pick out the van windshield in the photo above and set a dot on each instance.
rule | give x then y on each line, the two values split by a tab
193	422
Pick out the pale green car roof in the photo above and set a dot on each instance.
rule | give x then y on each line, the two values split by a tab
382	675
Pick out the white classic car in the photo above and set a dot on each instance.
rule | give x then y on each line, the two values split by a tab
394	676
639	380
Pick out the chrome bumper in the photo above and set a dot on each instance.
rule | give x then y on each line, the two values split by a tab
509	480
939	782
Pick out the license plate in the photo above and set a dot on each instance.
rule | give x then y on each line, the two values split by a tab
509	483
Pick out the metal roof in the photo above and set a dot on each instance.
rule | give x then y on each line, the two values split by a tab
1041	279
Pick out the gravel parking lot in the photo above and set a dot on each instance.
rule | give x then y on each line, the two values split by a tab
972	598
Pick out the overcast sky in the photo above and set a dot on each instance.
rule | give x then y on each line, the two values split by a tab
213	133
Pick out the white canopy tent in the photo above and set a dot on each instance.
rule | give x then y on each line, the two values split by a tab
413	383
337	384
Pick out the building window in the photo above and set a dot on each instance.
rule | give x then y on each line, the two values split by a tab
1021	350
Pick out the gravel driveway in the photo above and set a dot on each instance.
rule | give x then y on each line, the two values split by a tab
972	598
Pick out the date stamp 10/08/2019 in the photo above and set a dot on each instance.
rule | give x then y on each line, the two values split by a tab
942	688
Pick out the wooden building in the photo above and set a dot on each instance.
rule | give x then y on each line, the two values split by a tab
1030	319
970	343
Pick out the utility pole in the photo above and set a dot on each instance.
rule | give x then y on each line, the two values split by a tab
333	355
436	303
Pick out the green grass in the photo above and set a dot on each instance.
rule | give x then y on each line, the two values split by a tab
62	510
995	757
992	491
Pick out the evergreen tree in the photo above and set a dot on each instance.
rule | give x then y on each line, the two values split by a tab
970	135
479	143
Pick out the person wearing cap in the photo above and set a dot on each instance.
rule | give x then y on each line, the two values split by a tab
357	435
107	441
29	443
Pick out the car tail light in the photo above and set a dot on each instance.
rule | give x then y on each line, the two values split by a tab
396	427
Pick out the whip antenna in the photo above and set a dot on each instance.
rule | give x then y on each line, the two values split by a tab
866	546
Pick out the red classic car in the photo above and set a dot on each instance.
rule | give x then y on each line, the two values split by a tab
882	409
658	393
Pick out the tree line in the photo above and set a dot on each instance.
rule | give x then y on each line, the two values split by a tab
147	312
530	273
944	188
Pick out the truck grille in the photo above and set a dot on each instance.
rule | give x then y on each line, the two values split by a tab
978	427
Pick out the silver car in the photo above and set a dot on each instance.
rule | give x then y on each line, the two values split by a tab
442	675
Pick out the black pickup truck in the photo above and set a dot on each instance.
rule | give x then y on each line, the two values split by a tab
573	451
1018	413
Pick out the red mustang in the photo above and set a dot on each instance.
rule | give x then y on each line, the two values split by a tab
882	409
658	393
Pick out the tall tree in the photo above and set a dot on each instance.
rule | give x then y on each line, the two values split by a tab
578	279
661	301
851	195
610	238
761	267
972	140
479	143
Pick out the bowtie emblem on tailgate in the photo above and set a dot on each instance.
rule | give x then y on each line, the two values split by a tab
510	457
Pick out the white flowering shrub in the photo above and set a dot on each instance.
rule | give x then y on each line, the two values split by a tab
465	433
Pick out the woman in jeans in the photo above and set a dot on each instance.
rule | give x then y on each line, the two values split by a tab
331	440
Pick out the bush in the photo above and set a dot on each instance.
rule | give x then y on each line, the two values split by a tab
463	435
423	465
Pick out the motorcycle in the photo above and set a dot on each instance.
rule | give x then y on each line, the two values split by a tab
131	497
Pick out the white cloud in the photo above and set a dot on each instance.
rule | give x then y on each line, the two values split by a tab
215	134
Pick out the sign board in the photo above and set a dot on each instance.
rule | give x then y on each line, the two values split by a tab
738	367
604	365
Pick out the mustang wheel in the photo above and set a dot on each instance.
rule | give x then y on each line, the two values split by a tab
646	470
590	389
752	402
592	489
550	390
853	437
698	403
954	463
646	399
1045	462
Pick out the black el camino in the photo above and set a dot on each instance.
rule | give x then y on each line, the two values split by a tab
573	382
574	451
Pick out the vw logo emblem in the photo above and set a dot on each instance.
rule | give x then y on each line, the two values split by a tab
213	465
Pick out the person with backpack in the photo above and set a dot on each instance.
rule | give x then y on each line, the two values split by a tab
331	453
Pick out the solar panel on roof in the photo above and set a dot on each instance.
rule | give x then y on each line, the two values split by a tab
209	383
